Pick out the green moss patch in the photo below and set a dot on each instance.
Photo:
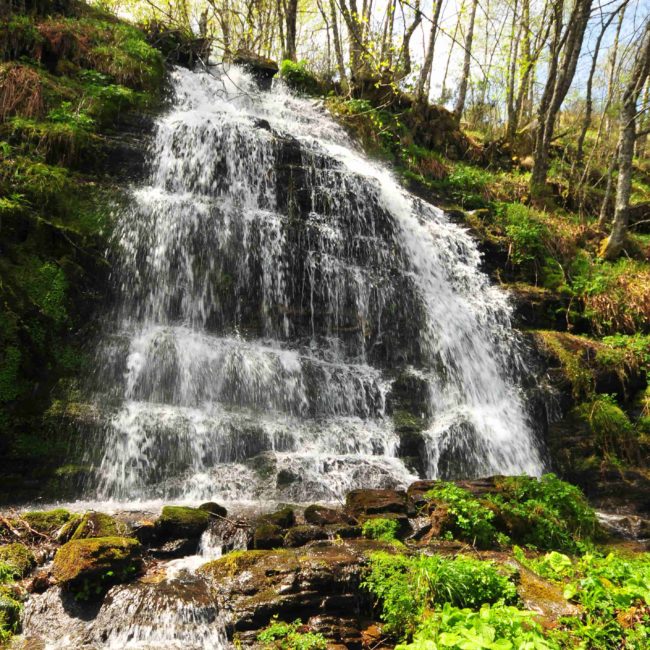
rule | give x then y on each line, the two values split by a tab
48	521
89	567
19	558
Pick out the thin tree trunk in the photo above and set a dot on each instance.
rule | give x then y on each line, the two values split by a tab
338	47
614	244
586	121
459	107
424	81
443	89
513	51
565	51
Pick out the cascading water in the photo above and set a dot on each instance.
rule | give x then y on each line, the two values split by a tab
273	283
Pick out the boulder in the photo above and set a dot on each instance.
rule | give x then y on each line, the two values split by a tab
285	517
251	587
262	68
90	566
322	515
343	531
301	535
267	536
374	502
47	522
68	529
214	509
19	558
180	522
98	524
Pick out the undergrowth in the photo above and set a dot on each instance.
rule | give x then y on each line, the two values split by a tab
547	513
290	636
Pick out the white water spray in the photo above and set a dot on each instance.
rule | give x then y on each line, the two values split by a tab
273	280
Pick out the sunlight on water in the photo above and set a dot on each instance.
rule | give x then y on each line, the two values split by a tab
271	281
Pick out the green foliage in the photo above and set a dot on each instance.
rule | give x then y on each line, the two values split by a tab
611	430
493	627
547	513
299	77
64	114
527	234
551	513
472	520
46	286
290	636
405	587
380	528
613	593
9	616
553	565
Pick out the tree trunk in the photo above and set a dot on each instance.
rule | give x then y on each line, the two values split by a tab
338	47
565	51
614	244
513	51
424	81
459	107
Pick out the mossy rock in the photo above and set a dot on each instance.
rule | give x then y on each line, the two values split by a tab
267	536
88	567
47	522
98	524
181	522
214	509
18	557
284	518
69	528
301	535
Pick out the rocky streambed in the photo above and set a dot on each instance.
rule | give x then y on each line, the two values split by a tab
207	577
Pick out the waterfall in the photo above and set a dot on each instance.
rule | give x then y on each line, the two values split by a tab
273	283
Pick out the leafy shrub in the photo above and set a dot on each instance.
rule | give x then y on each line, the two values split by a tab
547	513
65	115
471	520
527	234
468	185
298	77
290	636
610	428
494	627
380	528
405	587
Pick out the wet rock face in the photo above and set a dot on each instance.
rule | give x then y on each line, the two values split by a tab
322	515
374	502
319	580
178	530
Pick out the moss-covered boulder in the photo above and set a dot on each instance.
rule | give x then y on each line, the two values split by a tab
98	524
180	522
214	509
18	557
68	529
88	567
267	536
301	535
47	522
285	517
